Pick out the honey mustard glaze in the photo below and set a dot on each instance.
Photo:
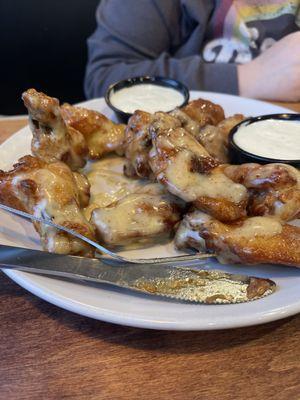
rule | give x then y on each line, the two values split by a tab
58	199
108	184
193	185
259	226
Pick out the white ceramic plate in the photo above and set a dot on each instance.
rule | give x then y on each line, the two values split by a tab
122	307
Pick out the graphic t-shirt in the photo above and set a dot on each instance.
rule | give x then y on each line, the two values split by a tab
240	30
199	42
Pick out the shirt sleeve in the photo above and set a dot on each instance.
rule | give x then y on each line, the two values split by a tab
136	38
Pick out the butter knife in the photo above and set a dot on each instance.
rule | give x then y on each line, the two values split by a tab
188	283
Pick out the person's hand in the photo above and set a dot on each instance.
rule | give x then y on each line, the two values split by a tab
275	74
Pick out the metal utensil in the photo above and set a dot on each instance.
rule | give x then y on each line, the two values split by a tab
104	250
177	282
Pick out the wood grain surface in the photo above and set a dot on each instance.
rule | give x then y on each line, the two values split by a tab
49	353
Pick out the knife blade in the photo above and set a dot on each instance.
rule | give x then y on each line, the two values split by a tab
187	282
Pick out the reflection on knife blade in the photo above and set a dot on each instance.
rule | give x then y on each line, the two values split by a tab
208	286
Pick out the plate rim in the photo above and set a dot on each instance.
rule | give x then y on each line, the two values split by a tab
129	320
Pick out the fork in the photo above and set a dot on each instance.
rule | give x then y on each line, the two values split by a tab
172	277
113	257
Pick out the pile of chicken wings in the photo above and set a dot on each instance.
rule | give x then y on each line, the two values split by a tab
176	180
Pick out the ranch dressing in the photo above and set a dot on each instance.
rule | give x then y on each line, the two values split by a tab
276	139
146	97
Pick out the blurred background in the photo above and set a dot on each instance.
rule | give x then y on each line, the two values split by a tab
43	45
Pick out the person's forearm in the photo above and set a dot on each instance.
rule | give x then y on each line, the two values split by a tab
275	74
192	71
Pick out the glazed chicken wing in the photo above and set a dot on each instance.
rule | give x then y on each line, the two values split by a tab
204	112
182	164
137	218
215	138
190	125
192	118
52	139
274	188
108	184
255	240
137	145
49	190
101	134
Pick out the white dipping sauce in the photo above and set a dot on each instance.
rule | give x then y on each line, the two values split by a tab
146	97
277	139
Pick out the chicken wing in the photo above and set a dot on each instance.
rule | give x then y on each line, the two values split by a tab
182	164
101	134
274	188
137	219
52	139
192	118
108	183
190	125
204	112
255	240
137	145
215	138
49	190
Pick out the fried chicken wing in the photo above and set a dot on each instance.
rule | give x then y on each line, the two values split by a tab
192	118
204	112
228	123
109	184
182	164
101	134
215	138
138	142
52	139
137	145
49	190
274	188
255	240
137	218
190	125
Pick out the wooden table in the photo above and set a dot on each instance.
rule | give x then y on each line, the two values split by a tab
49	353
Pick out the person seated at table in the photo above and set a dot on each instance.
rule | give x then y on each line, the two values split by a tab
245	47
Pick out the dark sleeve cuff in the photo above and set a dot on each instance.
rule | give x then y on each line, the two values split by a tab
221	77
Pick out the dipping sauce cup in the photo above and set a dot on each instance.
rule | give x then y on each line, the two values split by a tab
145	93
266	139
